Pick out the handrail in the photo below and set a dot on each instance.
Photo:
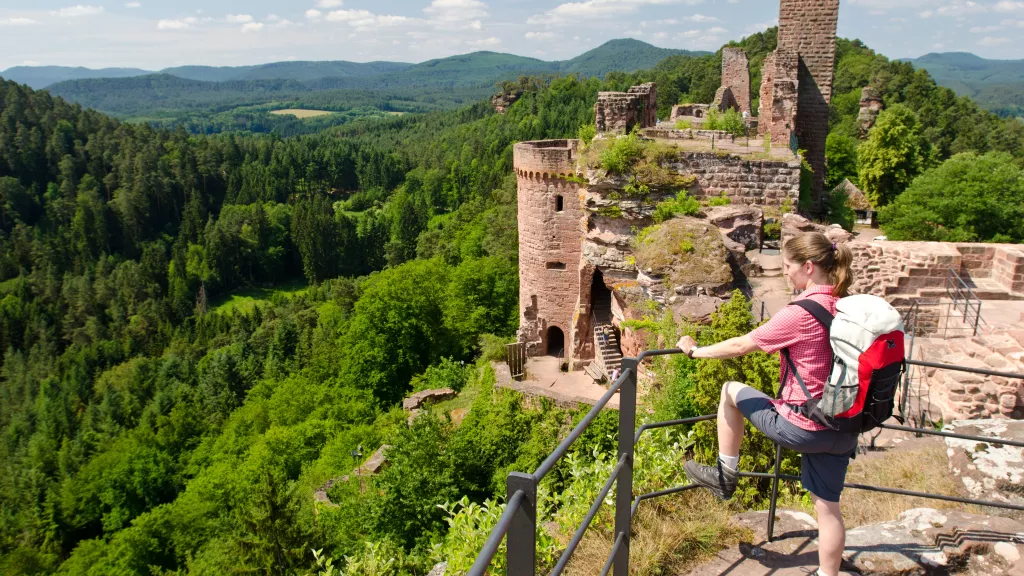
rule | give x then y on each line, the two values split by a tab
564	445
519	522
955	290
483	560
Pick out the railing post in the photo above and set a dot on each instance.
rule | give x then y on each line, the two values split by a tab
522	533
624	484
775	493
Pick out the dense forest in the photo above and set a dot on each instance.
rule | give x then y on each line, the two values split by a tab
149	427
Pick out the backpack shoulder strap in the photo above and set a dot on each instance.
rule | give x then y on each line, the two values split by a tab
820	313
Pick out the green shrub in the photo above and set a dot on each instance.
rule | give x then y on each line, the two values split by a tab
684	125
721	200
713	121
839	211
493	348
732	122
682	205
686	247
623	153
773	230
586	133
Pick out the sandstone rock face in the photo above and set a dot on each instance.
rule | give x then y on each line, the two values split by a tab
795	225
743	225
989	471
870	108
420	399
926	541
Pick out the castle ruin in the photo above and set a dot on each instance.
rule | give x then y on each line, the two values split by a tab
585	231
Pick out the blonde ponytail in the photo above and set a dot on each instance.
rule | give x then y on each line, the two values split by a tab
835	259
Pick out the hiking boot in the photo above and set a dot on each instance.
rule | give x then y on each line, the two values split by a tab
719	479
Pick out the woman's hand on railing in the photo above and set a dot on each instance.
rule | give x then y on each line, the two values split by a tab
686	344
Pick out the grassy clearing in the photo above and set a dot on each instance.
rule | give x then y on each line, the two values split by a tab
671	535
245	300
301	112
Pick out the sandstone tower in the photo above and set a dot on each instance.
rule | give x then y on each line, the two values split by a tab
736	76
550	244
807	29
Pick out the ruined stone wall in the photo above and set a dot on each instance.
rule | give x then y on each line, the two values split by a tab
725	100
648	94
764	106
784	102
808	28
550	240
736	76
749	182
617	112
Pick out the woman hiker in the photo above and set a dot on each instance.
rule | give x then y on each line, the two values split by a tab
821	270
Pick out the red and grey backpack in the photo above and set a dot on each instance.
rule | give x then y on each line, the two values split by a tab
868	360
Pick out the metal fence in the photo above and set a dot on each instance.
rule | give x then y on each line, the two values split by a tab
519	520
963	300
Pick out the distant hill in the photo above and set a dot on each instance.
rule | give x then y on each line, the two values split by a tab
995	84
625	55
467	76
42	76
294	70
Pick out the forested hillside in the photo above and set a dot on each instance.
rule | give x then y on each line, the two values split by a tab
998	85
154	425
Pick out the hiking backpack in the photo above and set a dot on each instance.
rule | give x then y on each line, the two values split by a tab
868	361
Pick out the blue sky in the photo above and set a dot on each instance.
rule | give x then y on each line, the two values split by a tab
155	34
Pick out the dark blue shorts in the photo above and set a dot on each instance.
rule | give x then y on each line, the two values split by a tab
825	454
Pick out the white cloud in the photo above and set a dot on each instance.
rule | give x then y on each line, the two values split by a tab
313	14
17	21
348	15
133	4
79	10
984	29
1007	6
993	41
456	10
252	26
572	12
492	41
176	24
272	18
238	18
328	3
539	35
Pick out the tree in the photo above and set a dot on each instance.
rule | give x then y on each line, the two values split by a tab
840	160
893	154
968	198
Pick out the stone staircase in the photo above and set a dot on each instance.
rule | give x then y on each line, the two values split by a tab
608	352
949	395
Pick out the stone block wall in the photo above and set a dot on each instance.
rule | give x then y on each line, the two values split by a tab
725	100
1008	268
764	106
749	182
736	76
550	240
889	269
808	28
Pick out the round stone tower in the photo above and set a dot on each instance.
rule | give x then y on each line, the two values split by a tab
550	244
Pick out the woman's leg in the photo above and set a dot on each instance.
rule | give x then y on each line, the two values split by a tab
730	419
831	535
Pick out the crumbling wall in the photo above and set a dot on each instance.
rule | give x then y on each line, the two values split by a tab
808	29
736	76
619	112
725	100
550	240
749	182
764	106
648	94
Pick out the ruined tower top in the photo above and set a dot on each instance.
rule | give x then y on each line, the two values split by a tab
736	76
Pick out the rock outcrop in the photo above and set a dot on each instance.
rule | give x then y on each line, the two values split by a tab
989	471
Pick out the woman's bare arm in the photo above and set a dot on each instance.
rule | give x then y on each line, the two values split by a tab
732	348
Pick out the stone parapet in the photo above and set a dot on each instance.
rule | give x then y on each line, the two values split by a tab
750	182
545	158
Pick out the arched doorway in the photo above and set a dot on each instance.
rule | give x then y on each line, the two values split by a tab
556	341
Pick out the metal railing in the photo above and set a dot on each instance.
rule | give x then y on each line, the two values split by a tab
518	522
963	296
